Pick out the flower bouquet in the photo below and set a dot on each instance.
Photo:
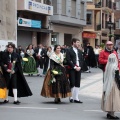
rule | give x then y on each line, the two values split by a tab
11	66
53	74
25	59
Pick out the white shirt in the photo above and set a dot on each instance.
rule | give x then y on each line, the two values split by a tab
97	51
76	52
39	53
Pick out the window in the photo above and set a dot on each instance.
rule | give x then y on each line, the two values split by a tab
118	5
54	39
63	7
73	4
82	5
89	17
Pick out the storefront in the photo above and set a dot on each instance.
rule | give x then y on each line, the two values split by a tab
89	37
33	27
63	34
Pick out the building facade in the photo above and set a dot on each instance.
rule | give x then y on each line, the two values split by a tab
32	17
117	20
99	13
8	24
68	20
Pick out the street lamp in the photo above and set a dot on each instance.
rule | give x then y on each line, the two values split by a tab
110	26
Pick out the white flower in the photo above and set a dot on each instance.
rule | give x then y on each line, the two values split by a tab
54	80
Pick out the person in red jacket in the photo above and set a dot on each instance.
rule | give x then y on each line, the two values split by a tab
104	54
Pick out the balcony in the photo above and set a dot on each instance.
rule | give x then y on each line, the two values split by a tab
33	6
98	5
98	27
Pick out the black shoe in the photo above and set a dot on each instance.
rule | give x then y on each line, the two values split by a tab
112	117
71	100
38	74
59	100
16	102
6	101
56	100
76	101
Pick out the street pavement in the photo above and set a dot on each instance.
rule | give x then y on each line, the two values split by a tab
37	107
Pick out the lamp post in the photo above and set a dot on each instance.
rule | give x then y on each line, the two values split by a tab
110	25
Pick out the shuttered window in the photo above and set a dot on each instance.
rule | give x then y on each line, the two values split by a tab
63	7
73	4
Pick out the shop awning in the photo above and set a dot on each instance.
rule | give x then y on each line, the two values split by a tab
34	29
88	35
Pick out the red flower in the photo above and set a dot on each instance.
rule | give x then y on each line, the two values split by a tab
10	66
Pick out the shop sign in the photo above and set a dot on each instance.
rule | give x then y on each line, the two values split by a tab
38	7
29	23
88	35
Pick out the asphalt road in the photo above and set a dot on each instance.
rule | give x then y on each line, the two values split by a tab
37	107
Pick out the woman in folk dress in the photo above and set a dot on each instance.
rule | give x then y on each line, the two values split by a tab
60	88
111	89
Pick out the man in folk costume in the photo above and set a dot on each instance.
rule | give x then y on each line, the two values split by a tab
89	57
74	59
40	58
12	71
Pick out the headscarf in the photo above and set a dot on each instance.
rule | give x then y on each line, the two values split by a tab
109	76
57	59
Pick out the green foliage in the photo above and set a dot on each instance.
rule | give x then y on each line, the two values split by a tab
102	45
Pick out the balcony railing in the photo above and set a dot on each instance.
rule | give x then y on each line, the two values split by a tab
98	27
98	5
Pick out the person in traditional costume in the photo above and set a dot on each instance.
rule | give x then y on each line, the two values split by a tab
3	87
30	65
111	88
12	71
89	57
40	54
74	59
49	53
56	84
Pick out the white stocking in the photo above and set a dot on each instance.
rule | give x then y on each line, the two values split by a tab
76	93
41	71
72	91
15	94
38	70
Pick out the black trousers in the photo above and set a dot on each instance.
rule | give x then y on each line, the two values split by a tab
40	62
96	57
75	78
11	81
